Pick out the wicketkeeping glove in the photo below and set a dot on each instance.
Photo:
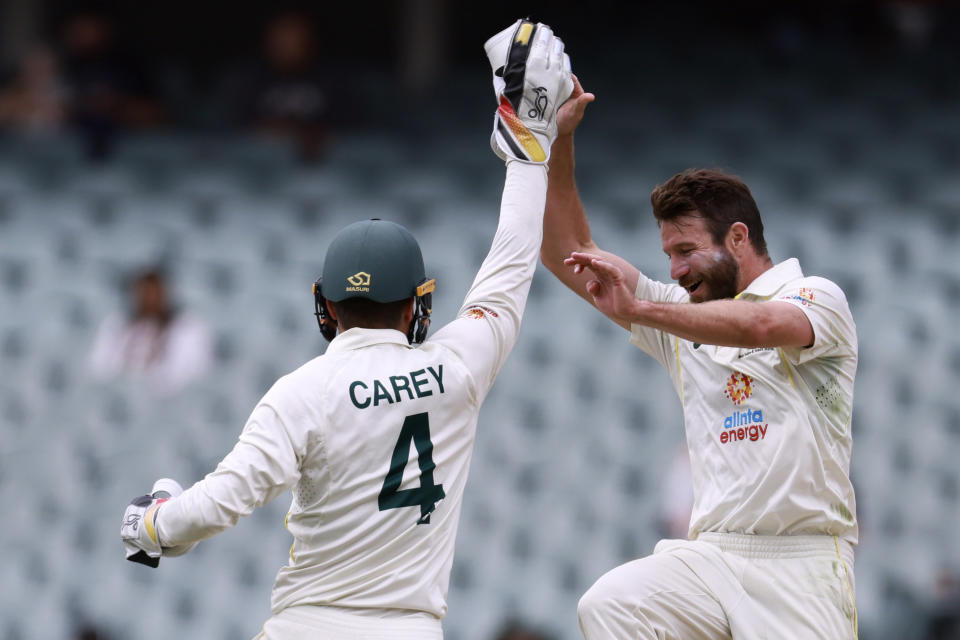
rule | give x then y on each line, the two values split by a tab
139	530
531	79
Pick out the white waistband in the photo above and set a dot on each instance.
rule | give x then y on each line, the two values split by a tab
371	622
769	547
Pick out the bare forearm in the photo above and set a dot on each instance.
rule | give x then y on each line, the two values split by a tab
566	230
732	323
565	222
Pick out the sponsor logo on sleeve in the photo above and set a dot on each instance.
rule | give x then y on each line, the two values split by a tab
477	312
805	296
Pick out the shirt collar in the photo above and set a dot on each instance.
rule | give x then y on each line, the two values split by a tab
358	338
772	280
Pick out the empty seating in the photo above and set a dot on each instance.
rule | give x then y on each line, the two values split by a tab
576	437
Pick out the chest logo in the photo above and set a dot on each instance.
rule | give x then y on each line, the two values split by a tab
739	388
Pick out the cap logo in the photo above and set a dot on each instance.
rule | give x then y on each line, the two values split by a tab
359	281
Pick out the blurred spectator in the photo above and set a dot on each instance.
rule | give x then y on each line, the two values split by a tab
944	620
515	630
107	90
913	21
35	99
287	93
155	342
87	631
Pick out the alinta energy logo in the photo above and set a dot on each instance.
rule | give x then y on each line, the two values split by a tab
742	425
359	281
739	387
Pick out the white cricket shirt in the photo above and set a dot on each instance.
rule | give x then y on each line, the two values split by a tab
768	429
375	439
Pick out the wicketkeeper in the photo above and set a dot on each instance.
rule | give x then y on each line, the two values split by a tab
375	437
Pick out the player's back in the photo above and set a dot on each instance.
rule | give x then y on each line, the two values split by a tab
374	514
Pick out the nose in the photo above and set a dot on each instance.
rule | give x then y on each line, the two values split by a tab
678	267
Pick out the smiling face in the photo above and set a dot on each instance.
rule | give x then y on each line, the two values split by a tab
708	271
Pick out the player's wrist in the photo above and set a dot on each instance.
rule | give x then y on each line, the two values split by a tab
640	311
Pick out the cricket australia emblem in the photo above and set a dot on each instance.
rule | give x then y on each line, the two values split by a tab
477	312
739	388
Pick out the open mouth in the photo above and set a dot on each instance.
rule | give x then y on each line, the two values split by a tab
693	287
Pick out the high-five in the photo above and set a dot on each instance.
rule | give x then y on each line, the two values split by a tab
375	437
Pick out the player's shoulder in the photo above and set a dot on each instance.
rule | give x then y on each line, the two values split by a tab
292	394
814	291
305	374
823	284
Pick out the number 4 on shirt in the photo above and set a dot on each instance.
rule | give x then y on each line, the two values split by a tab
417	429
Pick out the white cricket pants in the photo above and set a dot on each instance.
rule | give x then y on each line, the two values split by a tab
334	623
724	586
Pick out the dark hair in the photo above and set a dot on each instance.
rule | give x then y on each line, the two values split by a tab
153	277
365	313
719	198
515	630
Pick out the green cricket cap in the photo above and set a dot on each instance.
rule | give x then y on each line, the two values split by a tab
374	259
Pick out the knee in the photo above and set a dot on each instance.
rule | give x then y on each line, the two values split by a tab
590	604
615	606
599	601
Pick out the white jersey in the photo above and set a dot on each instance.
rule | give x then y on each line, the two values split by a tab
768	429
375	439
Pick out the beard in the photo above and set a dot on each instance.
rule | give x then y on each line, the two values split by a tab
720	278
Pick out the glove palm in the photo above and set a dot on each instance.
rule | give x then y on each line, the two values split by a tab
139	528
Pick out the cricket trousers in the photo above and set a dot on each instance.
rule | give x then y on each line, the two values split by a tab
336	623
728	586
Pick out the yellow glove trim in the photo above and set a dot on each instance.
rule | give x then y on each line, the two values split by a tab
520	132
149	519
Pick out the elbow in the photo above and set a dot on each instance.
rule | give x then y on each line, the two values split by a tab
771	328
552	254
551	261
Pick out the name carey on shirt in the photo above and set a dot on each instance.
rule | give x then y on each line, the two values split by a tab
414	384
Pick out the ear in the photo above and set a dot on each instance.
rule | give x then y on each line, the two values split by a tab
408	313
332	312
738	238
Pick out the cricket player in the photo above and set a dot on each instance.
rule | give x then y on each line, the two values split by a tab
763	358
375	437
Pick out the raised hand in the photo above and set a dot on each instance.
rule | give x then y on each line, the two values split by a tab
608	287
531	79
571	112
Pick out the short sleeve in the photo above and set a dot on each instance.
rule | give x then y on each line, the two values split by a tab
827	309
653	341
